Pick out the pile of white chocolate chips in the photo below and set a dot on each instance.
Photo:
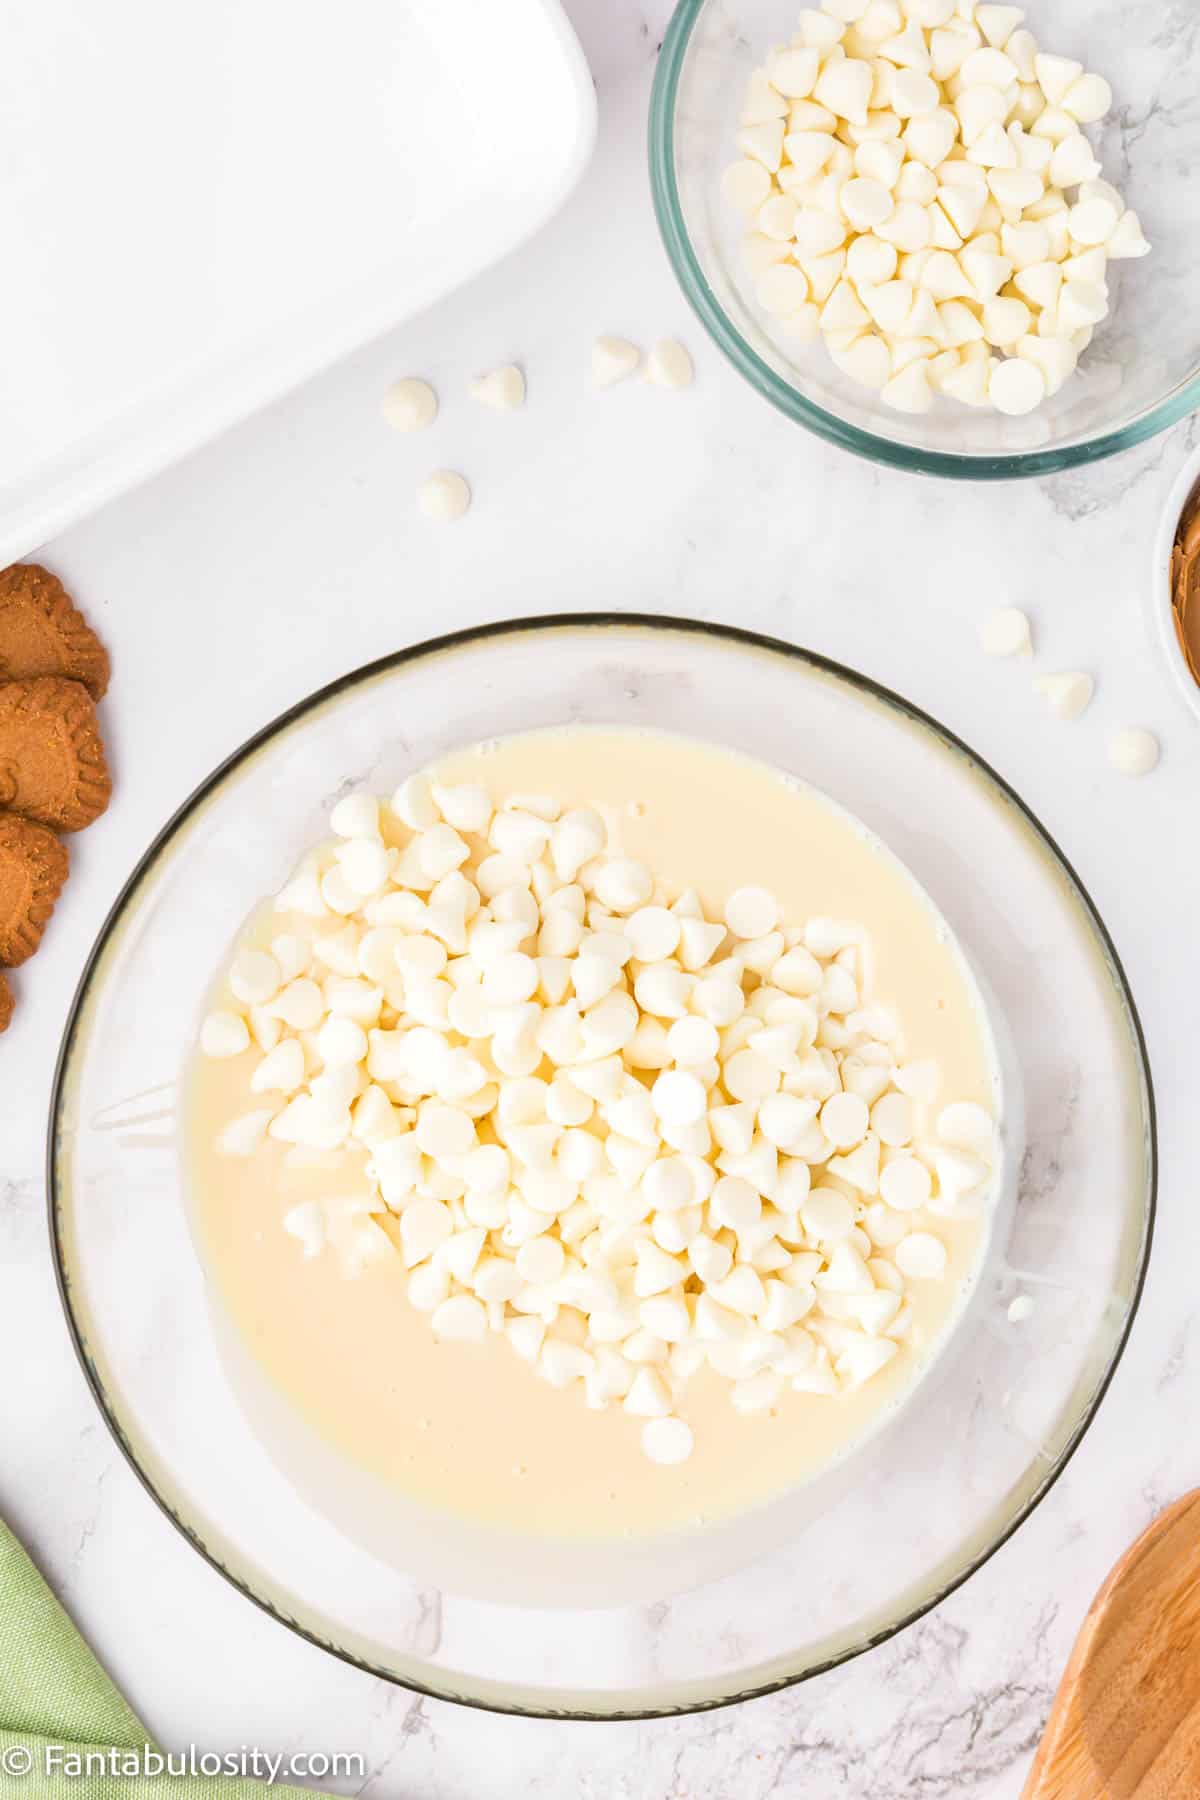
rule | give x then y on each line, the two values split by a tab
630	1139
921	193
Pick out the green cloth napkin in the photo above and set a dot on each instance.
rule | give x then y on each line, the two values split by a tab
57	1702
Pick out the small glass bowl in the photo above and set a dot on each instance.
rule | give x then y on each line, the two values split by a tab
933	1494
1142	371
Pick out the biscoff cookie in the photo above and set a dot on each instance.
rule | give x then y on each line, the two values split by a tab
52	765
33	867
6	1003
43	633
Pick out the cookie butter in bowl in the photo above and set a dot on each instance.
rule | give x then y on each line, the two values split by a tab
1174	590
1185	584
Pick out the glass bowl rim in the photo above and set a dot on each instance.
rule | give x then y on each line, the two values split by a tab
762	377
739	637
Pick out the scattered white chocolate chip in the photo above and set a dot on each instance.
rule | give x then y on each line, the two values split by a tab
1005	632
502	389
445	496
632	1140
1020	1309
669	365
410	405
1068	694
612	360
1133	751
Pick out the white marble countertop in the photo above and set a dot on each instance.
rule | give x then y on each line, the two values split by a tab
290	551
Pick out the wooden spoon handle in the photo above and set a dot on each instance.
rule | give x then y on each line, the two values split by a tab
1125	1724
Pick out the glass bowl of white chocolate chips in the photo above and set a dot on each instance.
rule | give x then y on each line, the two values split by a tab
939	233
601	1166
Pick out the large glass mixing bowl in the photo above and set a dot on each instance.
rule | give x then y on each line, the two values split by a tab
968	1457
1142	371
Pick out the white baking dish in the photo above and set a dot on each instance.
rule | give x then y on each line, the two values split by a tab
203	206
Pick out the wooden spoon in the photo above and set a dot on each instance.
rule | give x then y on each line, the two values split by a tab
1125	1724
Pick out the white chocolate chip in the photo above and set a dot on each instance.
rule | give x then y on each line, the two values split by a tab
794	72
306	1223
866	203
763	142
670	365
998	23
224	1034
1071	161
444	496
1087	99
243	1135
356	815
667	1440
410	404
254	977
751	912
1005	632
762	100
909	391
281	1069
921	1256
745	185
502	389
1016	386
1068	694
1055	75
905	1184
966	1126
647	1397
845	88
1133	751
1127	238
781	289
844	1120
462	1317
613	359
467	807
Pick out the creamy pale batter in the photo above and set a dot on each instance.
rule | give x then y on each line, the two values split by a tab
468	1427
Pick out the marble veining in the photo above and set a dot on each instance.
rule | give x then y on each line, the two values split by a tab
291	551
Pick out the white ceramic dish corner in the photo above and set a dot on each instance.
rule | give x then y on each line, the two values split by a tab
1158	588
207	208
